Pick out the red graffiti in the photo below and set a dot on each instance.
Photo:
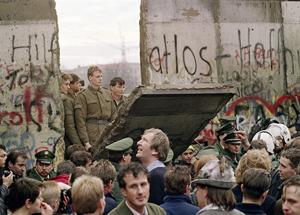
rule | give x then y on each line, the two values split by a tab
14	118
270	107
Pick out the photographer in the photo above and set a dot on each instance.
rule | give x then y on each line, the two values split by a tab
5	180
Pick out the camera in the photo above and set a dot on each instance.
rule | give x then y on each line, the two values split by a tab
6	172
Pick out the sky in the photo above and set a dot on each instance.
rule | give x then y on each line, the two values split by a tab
92	31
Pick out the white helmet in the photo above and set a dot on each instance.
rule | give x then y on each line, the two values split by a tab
268	138
280	130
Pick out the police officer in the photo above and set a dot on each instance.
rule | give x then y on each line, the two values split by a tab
93	109
43	169
119	154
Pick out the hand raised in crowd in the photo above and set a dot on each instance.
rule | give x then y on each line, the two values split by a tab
46	209
242	135
8	180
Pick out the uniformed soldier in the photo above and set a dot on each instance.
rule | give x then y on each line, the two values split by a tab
93	109
232	150
71	135
117	88
119	154
43	169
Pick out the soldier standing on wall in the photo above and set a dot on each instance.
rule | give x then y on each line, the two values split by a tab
93	109
71	135
117	88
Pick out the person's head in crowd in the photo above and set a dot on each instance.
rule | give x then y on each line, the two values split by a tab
258	144
154	145
232	145
51	194
94	75
65	167
25	197
79	171
178	180
202	160
255	185
3	155
87	195
134	185
120	151
291	196
214	183
75	85
82	158
295	143
73	148
254	158
188	154
106	171
65	83
288	163
16	162
168	162
44	162
117	87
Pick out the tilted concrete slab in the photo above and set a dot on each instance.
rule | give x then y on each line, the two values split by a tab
180	111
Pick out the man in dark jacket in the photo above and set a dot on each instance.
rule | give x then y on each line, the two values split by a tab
255	187
177	183
152	151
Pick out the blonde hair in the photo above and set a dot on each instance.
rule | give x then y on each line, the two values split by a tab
51	192
87	191
160	143
252	159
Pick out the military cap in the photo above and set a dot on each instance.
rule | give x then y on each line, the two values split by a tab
45	156
121	145
227	119
225	129
234	141
216	173
169	156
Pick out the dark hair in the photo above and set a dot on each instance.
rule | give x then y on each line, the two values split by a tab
115	156
65	167
176	179
73	148
79	171
2	147
116	80
20	191
133	168
75	78
221	198
81	158
13	156
293	154
256	181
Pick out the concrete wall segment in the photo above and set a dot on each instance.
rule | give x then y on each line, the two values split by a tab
30	103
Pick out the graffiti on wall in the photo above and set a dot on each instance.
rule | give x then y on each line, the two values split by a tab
30	115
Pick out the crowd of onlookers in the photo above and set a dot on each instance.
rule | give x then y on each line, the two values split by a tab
226	171
232	176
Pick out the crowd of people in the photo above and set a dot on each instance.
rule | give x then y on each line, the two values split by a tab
231	175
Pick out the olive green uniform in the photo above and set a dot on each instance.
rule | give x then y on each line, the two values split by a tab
32	173
93	111
71	135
